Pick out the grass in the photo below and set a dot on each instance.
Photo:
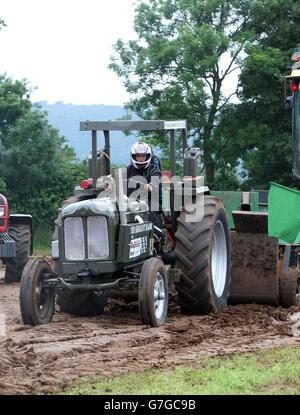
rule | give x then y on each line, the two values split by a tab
42	240
41	250
275	372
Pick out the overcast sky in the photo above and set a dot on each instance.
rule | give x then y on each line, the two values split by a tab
63	47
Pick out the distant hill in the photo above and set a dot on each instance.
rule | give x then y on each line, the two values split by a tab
66	118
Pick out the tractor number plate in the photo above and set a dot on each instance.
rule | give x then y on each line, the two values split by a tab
134	241
138	246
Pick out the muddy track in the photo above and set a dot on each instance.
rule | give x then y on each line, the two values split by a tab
40	359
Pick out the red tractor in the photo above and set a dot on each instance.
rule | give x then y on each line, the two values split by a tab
16	242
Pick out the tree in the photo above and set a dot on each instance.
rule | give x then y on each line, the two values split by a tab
259	125
185	52
39	169
14	102
177	69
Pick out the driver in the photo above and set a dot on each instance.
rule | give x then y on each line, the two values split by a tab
142	165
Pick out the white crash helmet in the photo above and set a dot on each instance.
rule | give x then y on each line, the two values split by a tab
140	148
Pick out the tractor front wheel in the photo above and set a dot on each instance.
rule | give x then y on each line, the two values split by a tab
153	293
36	302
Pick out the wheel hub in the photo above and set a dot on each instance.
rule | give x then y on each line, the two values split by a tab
219	258
42	296
159	295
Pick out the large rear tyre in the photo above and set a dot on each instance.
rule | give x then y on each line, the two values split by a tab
36	302
153	293
21	233
81	303
202	252
289	287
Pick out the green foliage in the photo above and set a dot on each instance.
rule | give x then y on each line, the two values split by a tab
42	239
178	66
261	127
39	169
225	178
14	102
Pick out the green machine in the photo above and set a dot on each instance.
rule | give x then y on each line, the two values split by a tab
104	243
265	255
219	247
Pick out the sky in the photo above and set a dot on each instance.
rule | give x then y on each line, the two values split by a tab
63	48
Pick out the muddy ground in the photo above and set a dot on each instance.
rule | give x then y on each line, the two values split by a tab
39	359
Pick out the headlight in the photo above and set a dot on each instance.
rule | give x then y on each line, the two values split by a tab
55	250
98	247
74	238
2	210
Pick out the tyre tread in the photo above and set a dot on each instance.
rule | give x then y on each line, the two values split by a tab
288	287
21	233
192	254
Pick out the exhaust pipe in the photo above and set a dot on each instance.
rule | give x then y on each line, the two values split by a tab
118	173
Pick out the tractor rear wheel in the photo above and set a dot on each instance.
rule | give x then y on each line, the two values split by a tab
202	252
289	287
21	233
81	303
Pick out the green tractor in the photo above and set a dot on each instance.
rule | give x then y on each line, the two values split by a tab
264	267
104	243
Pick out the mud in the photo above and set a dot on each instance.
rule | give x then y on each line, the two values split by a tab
38	360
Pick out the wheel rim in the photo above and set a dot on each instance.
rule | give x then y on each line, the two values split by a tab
42	297
219	258
159	296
